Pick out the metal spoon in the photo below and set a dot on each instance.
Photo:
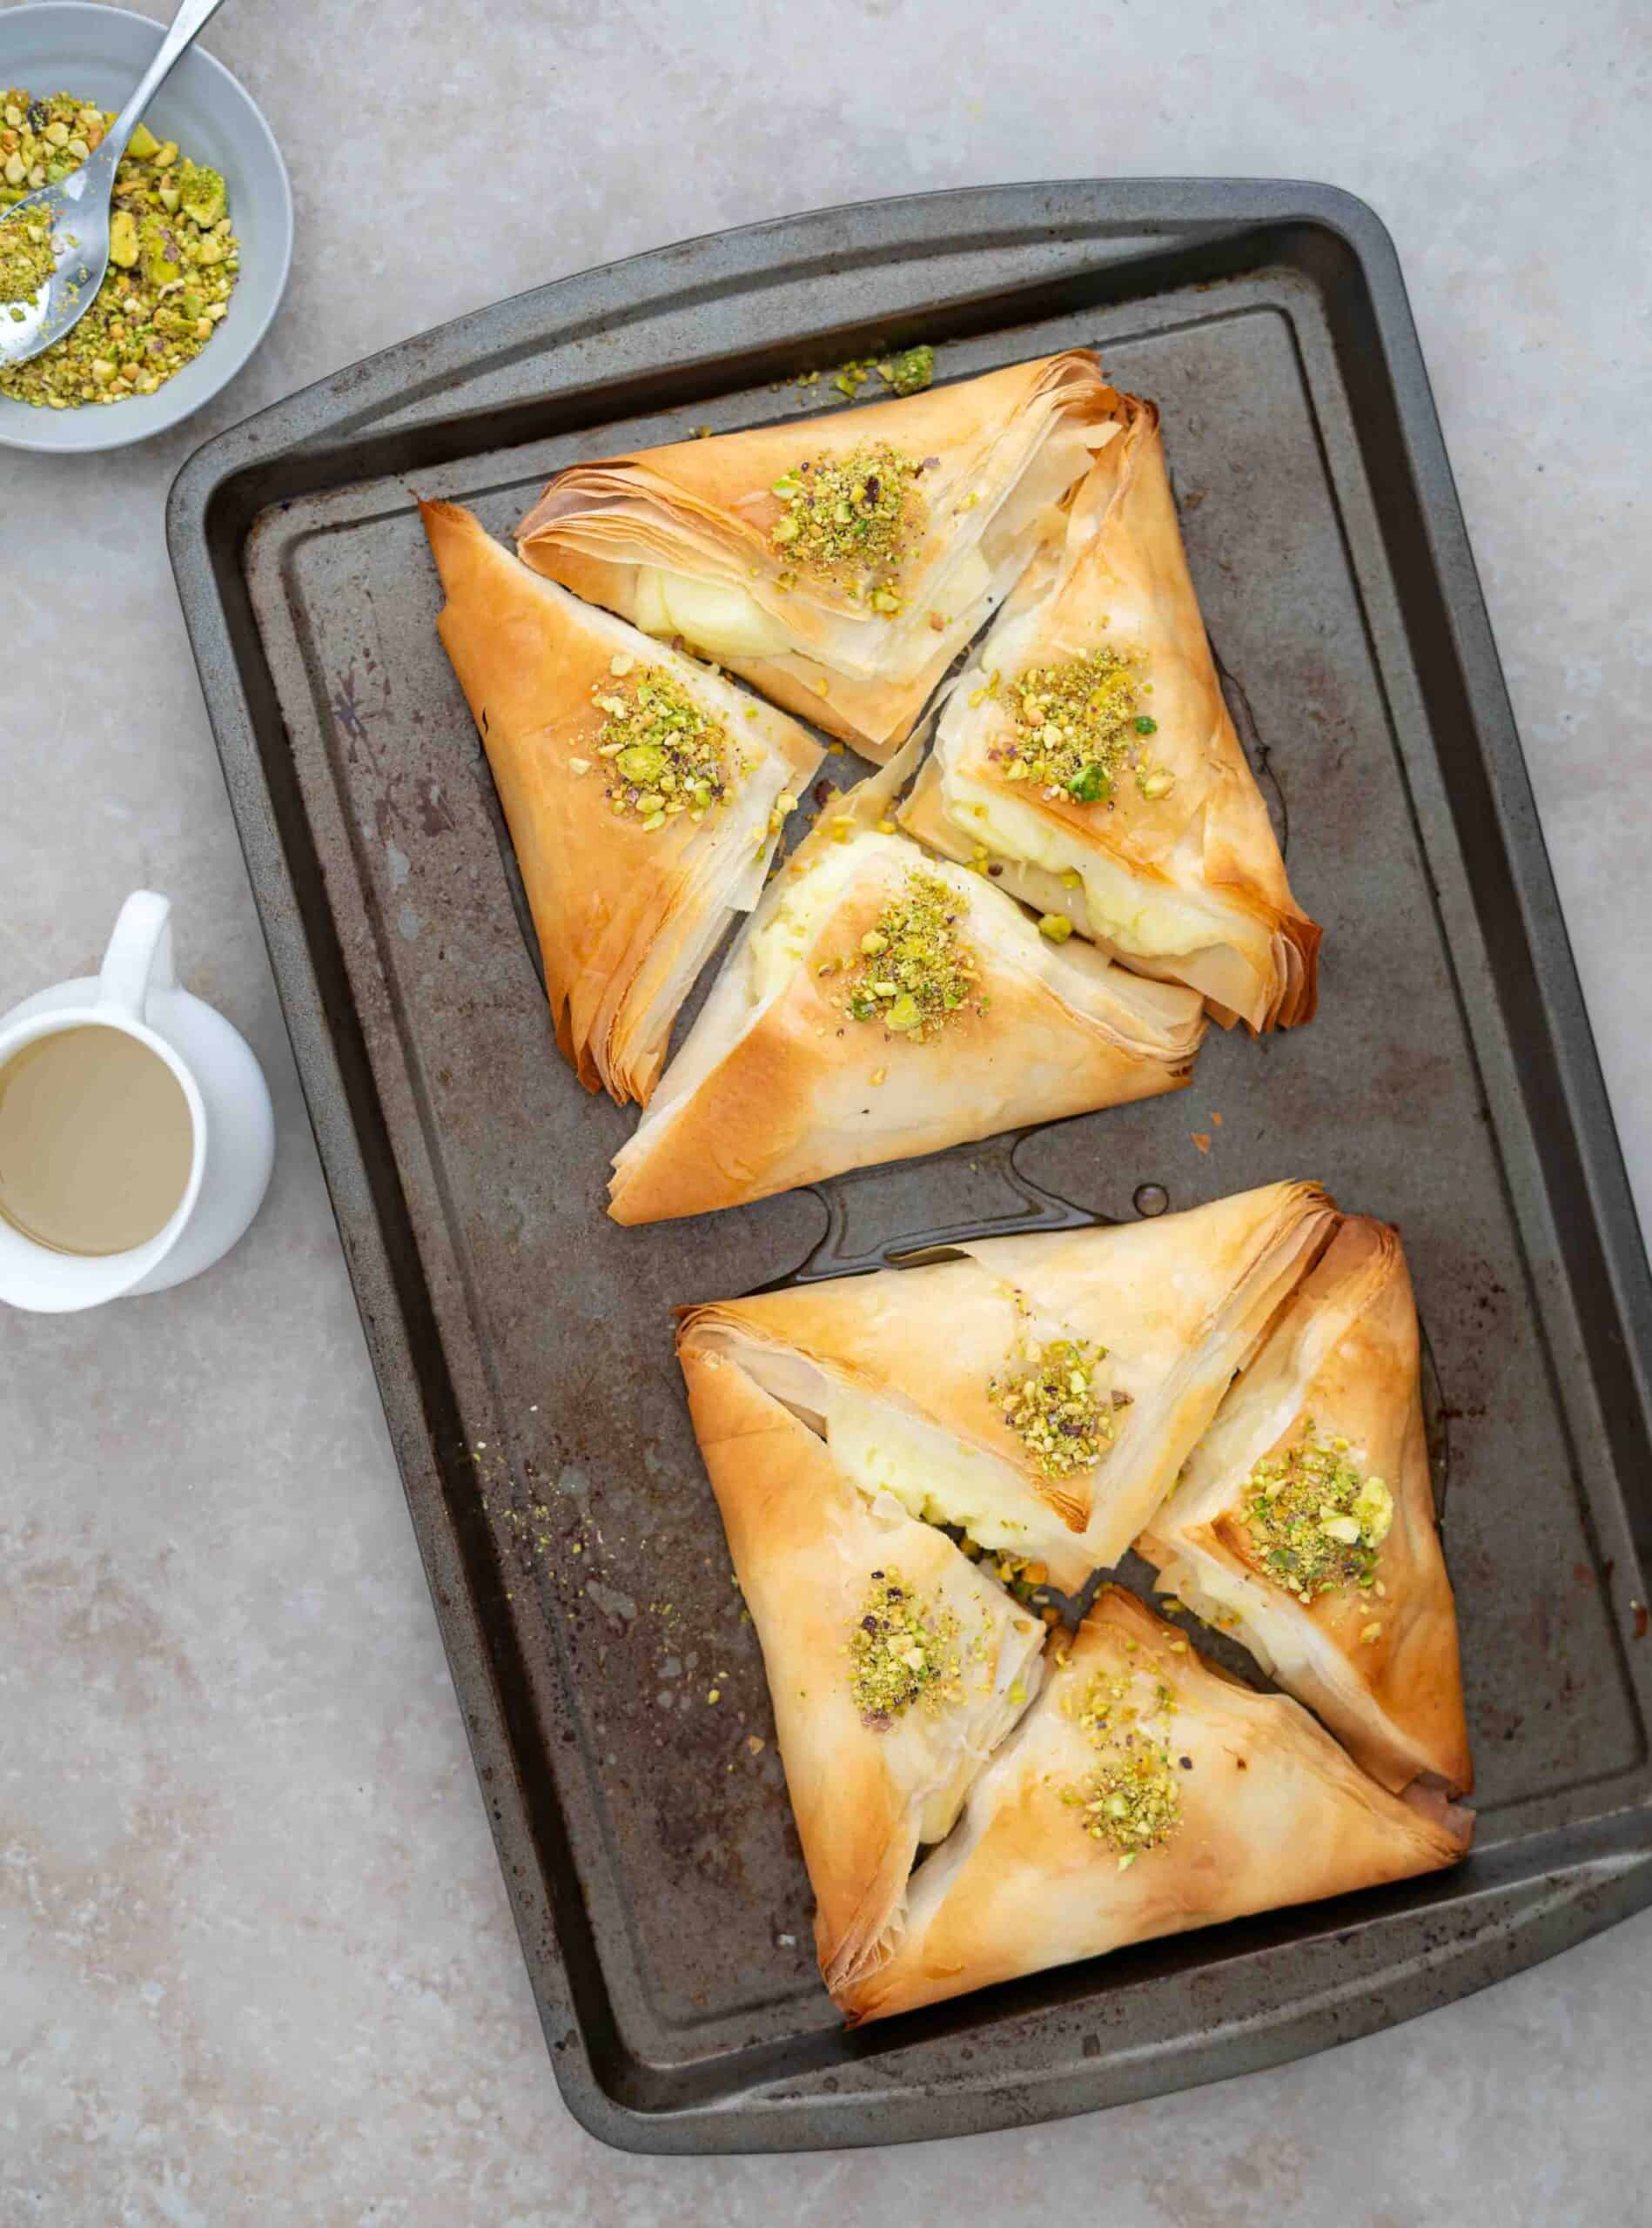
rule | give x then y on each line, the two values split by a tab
77	211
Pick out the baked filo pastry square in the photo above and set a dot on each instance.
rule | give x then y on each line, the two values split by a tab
880	1003
1144	1793
1304	1523
839	563
1088	749
1039	1393
645	796
895	1665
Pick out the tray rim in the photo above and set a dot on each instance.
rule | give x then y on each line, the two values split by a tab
1525	1918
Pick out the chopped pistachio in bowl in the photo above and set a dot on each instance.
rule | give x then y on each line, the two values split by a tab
201	233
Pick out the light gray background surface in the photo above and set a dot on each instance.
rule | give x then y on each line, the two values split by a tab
256	1962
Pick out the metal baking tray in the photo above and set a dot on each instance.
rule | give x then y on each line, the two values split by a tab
523	1343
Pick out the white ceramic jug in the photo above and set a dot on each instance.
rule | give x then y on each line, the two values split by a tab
233	1126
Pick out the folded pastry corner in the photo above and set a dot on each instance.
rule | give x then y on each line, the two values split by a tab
840	563
1305	1521
1089	752
1143	1793
895	1665
1039	1393
881	1003
644	795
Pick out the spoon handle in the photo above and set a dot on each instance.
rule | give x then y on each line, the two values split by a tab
191	17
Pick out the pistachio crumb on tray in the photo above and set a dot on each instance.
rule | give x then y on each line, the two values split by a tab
173	259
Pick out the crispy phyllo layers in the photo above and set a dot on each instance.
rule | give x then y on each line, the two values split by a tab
1089	753
895	1665
1305	1520
645	796
1040	1394
839	563
1143	1793
882	1003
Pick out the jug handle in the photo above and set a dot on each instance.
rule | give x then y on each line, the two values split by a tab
139	957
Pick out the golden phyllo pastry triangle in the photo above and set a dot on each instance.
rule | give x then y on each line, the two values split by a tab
894	1664
881	1003
1144	1793
1042	1392
1305	1521
645	796
1088	751
840	563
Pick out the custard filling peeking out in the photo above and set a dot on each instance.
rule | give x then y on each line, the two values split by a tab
712	615
1121	908
931	1475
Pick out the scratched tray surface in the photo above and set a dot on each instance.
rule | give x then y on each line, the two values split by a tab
613	1683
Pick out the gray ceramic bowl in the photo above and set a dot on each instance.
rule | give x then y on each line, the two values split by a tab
100	53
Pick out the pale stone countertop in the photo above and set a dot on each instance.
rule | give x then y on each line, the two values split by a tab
255	1959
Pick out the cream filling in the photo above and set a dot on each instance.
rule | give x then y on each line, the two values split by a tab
718	617
712	615
933	1476
1146	921
776	949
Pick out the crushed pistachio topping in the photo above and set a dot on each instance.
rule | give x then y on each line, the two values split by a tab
173	258
26	262
1053	1400
914	970
1315	1522
1130	1799
1074	726
902	1650
851	520
664	754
